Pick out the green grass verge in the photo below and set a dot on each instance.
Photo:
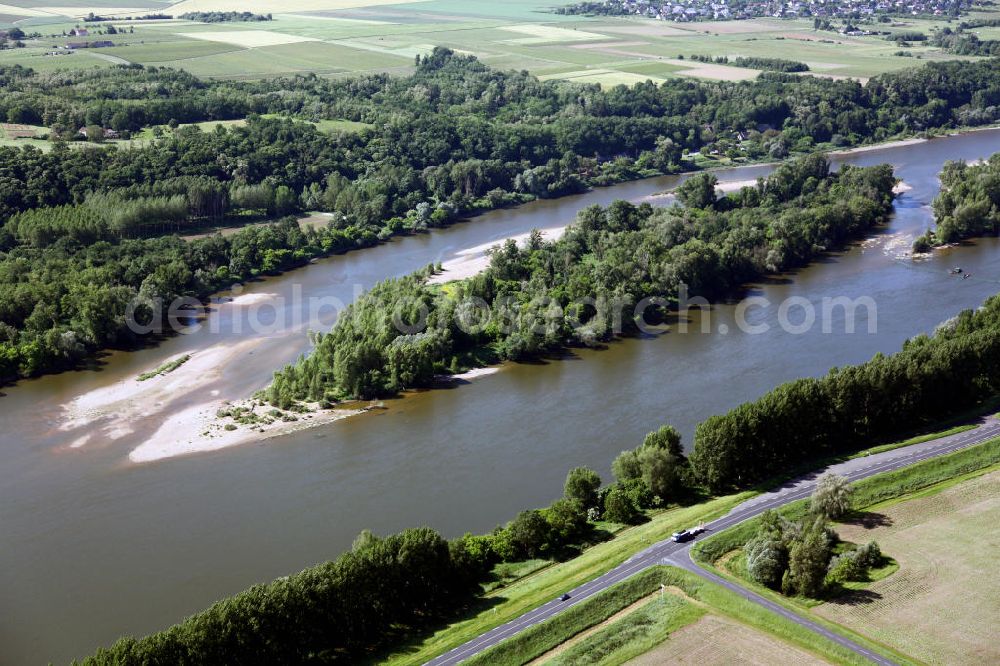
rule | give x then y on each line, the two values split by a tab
541	638
506	573
167	367
649	625
920	439
530	592
635	634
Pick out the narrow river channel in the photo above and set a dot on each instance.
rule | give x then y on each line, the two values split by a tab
95	546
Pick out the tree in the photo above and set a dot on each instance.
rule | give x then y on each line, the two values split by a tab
662	472
767	559
808	560
698	191
529	533
666	438
832	496
567	519
581	486
626	466
618	507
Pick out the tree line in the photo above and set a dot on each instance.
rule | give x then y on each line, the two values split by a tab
754	62
930	379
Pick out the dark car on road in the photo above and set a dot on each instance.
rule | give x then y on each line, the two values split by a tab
682	536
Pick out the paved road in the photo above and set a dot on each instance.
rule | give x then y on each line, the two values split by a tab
668	552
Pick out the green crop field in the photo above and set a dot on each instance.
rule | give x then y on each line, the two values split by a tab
341	37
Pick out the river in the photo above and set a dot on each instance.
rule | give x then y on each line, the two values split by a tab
94	546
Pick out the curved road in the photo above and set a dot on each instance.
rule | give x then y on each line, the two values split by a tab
679	555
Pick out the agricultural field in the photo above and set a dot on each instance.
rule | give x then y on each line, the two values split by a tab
343	37
942	604
719	641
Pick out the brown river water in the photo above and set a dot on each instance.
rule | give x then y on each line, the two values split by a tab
94	546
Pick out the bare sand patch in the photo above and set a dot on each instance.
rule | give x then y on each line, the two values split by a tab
707	70
942	604
199	430
658	29
607	45
117	405
739	27
719	641
248	38
724	187
244	300
736	185
475	373
878	146
474	260
549	33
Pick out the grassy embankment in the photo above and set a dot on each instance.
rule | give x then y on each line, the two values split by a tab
688	600
543	585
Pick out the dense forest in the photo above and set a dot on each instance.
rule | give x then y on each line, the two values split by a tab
453	138
537	299
968	204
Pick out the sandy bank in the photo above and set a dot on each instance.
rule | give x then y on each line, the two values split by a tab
474	260
472	374
243	300
198	430
130	397
112	410
724	187
879	146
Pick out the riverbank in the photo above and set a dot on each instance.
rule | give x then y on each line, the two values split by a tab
474	260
